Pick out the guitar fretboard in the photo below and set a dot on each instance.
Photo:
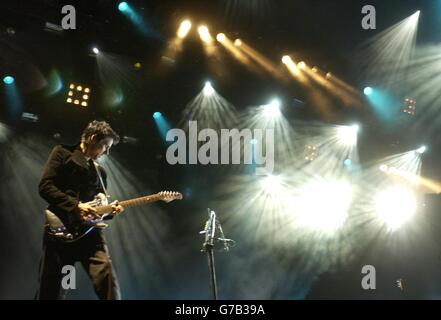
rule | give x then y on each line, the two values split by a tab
130	203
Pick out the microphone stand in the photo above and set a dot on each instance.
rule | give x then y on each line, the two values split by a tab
208	247
211	226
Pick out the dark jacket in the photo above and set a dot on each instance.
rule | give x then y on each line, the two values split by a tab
69	178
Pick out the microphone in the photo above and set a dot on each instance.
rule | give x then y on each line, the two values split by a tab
224	241
212	227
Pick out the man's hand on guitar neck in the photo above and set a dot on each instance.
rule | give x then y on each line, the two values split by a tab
116	208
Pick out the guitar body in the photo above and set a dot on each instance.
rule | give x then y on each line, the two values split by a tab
69	227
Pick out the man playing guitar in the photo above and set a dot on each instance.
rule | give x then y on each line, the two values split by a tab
71	178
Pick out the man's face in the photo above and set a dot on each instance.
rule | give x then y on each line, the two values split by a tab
101	147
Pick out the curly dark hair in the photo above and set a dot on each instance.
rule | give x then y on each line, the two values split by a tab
101	130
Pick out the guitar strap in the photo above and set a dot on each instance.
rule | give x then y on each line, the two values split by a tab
101	179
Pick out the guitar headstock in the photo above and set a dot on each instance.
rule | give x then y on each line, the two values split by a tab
169	196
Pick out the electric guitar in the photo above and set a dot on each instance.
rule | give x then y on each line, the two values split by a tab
70	227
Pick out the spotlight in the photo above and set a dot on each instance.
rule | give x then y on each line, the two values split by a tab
208	89
95	50
204	34
123	6
421	149
395	206
184	28
157	115
8	80
301	65
254	141
347	162
272	184
384	168
347	135
286	59
314	69
355	127
323	205
272	109
238	42
221	37
328	75
368	91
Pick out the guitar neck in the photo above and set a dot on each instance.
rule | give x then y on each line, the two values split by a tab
129	203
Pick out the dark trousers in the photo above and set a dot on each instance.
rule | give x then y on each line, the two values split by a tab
93	254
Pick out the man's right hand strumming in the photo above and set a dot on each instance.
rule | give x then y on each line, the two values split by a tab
86	211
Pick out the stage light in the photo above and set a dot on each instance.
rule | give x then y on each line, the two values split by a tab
384	168
220	37
204	34
286	59
123	6
137	65
314	69
237	42
414	18
8	80
184	28
409	106
272	184
323	205
421	149
208	89
78	95
310	152
347	162
395	206
301	65
272	109
368	91
347	135
328	75
157	115
254	141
